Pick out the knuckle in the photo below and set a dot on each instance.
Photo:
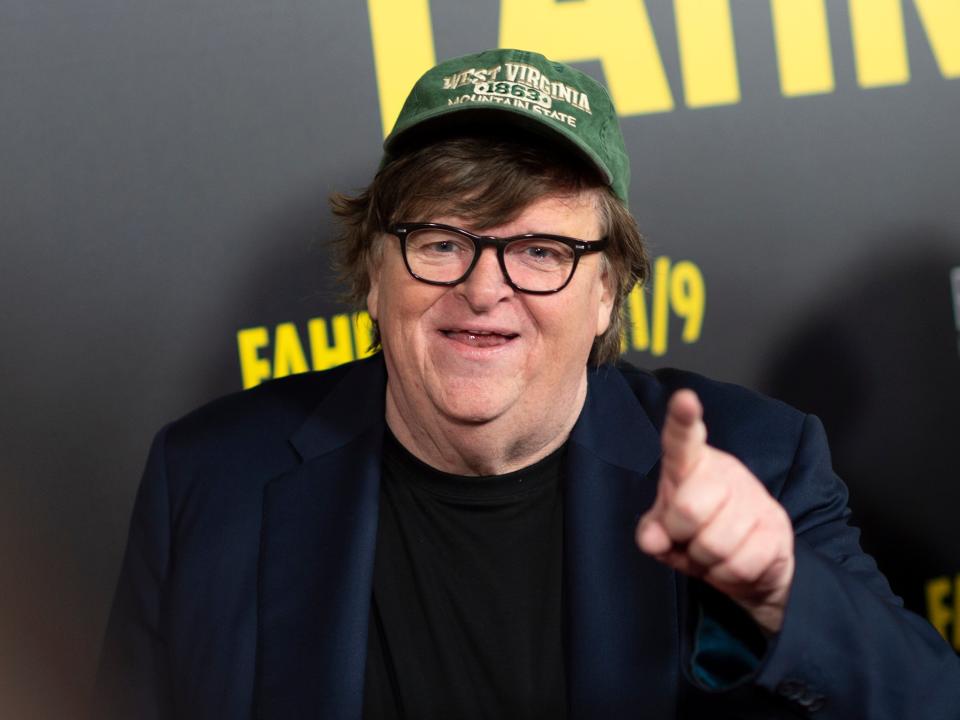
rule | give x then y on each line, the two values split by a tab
776	521
686	508
708	548
742	571
768	554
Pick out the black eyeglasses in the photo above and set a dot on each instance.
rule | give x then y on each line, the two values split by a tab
532	263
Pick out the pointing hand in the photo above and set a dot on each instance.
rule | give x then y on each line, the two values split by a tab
714	520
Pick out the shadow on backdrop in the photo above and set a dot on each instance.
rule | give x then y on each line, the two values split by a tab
877	361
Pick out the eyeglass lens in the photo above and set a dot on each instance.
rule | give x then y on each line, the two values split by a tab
532	263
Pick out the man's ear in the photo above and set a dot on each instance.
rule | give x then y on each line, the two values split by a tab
607	295
374	271
373	294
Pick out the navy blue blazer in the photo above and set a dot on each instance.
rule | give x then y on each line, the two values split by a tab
246	584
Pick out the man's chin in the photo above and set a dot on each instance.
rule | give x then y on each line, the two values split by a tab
475	402
474	415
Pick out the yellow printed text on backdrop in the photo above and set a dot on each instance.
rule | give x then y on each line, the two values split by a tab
943	607
620	35
330	342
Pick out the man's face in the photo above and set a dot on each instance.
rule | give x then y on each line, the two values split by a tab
481	351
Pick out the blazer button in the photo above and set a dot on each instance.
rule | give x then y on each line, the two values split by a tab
790	689
812	702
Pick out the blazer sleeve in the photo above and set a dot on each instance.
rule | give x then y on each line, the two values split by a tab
848	648
133	680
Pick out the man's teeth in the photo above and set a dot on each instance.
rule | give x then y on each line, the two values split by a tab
480	338
478	332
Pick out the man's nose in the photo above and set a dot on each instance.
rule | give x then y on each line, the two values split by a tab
486	285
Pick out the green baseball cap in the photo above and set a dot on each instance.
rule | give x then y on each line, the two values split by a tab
529	90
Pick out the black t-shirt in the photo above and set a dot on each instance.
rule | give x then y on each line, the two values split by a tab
467	613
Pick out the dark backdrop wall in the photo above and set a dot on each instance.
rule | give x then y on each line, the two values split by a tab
164	169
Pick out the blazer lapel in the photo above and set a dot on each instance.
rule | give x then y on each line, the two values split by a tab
622	605
316	560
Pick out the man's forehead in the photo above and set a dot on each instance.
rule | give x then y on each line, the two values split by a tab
475	211
547	213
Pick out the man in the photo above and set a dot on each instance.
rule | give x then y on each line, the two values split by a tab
489	519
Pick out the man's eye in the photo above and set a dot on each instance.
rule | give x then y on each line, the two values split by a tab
437	244
443	247
541	253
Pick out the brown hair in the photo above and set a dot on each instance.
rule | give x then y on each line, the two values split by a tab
487	180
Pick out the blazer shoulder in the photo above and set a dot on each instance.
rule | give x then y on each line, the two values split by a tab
270	405
249	431
737	418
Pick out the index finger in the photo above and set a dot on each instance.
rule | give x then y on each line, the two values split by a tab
684	436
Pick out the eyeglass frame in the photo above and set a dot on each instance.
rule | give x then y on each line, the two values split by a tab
481	242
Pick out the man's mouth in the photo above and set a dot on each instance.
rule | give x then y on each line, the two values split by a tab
479	338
